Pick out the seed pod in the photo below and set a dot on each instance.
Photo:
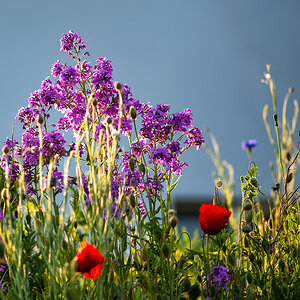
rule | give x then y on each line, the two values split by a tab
249	277
39	120
173	221
165	249
131	164
132	201
246	229
288	156
142	169
132	112
289	178
247	205
5	150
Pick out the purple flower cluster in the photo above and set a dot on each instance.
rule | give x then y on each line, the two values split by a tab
160	141
249	145
219	277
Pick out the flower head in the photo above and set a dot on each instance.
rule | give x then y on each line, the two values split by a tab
249	145
219	277
89	260
213	218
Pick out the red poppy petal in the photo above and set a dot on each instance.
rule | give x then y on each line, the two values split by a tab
96	271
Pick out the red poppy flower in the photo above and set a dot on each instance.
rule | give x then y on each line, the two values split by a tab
89	260
213	218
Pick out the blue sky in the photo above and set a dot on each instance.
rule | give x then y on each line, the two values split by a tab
205	55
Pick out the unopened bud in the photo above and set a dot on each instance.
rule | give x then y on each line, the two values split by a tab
249	217
275	119
219	183
247	205
171	212
5	150
142	168
165	250
132	112
109	120
39	120
291	90
131	164
288	156
65	245
132	201
173	221
118	86
246	229
289	178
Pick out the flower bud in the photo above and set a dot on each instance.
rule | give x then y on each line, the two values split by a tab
132	201
171	212
249	217
246	229
254	181
65	245
108	120
291	90
289	178
173	221
165	250
132	112
118	86
75	225
39	120
219	183
288	156
247	205
131	164
5	150
249	277
275	119
142	169
4	194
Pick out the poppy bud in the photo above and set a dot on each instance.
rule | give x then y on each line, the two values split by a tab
165	250
247	205
246	229
275	119
291	90
213	218
142	168
219	183
288	156
289	178
249	277
249	217
132	201
132	112
118	86
173	221
64	245
131	164
4	194
39	120
5	150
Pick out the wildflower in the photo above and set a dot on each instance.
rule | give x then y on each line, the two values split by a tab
89	260
249	145
213	218
219	277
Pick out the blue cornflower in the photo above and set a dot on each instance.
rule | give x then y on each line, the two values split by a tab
249	145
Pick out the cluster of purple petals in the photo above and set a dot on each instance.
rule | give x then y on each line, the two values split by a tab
249	145
142	209
71	41
86	190
1	218
115	211
219	277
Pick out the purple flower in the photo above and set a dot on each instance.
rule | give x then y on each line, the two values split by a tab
249	145
71	41
142	209
219	277
115	211
1	218
195	138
